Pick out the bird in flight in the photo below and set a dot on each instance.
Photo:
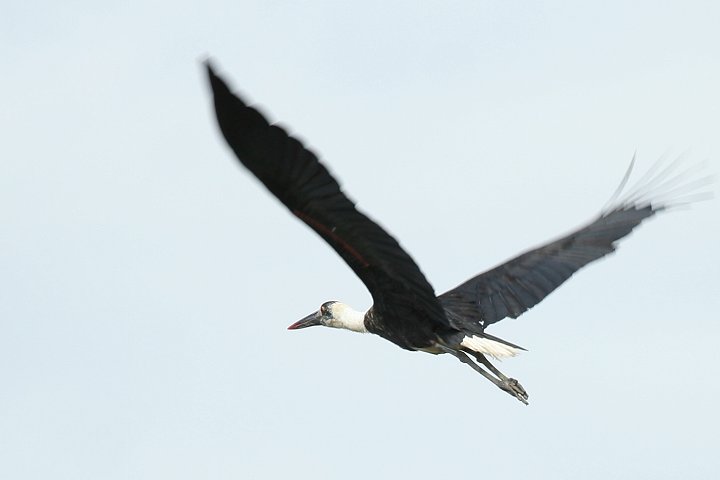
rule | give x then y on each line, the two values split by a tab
405	309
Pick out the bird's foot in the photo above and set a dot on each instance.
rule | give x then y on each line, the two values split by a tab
514	388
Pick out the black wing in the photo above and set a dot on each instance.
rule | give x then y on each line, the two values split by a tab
512	288
402	297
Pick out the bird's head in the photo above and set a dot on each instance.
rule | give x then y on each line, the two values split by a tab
333	314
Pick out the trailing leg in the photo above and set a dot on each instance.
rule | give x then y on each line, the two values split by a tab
510	386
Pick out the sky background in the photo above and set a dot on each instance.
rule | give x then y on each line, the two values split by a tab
146	280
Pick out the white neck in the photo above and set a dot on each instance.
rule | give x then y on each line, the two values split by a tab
347	318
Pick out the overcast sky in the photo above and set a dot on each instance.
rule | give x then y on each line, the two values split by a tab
146	280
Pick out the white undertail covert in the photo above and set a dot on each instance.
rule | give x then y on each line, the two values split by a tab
493	348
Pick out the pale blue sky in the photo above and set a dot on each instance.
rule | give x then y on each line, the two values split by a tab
146	281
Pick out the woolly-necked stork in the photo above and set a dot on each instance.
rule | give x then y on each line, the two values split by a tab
405	309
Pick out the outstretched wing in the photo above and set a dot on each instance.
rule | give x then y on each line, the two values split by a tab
402	296
512	288
515	286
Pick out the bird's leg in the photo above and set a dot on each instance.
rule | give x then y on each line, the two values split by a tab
510	385
504	385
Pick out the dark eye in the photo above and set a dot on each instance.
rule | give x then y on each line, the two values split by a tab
323	309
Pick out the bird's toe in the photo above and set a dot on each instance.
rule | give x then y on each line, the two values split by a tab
514	388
